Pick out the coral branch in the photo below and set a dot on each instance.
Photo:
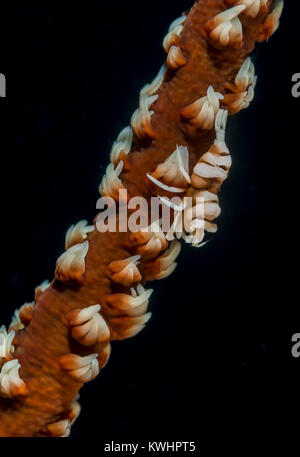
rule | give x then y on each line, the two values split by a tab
62	340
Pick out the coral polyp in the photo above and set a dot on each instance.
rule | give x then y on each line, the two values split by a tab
175	145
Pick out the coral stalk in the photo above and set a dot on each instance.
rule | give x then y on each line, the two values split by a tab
98	294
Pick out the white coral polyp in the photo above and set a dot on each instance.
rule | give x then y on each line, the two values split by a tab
77	233
174	171
81	369
174	32
238	101
191	223
220	125
6	339
226	28
127	327
242	89
152	240
70	266
166	262
150	89
60	428
25	311
141	118
252	7
131	305
202	112
122	144
88	326
175	58
111	184
11	385
40	289
125	271
245	76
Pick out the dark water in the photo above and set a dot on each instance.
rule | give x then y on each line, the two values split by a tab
216	355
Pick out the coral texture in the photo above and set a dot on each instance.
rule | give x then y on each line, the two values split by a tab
174	147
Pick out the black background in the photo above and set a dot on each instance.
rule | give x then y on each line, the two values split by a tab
216	355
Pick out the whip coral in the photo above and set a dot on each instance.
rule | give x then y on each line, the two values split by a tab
175	146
